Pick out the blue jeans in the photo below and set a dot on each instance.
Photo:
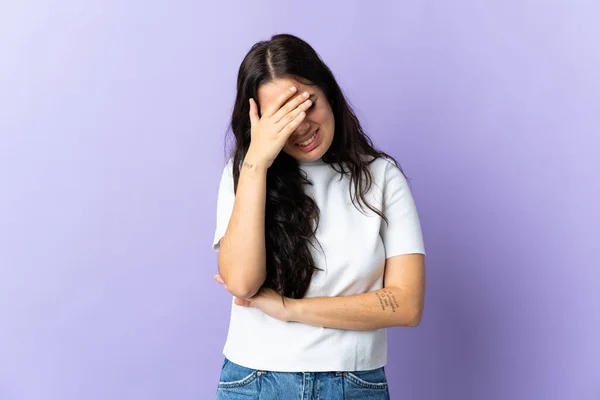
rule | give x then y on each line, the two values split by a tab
237	383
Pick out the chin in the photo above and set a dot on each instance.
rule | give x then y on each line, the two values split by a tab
312	156
307	159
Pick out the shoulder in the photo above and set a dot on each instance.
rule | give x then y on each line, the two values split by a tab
384	169
227	175
228	168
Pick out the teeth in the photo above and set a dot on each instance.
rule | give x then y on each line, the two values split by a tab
309	141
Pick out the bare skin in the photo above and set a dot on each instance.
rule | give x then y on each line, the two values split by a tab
242	256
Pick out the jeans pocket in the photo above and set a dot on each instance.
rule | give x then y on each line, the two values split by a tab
371	379
236	376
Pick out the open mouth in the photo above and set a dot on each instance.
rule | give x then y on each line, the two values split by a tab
308	141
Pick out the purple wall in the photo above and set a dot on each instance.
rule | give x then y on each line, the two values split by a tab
112	117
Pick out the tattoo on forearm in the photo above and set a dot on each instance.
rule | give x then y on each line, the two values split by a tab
380	301
387	300
247	165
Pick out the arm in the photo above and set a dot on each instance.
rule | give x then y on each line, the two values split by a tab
244	241
242	258
399	303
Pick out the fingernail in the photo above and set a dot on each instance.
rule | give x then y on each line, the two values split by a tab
293	89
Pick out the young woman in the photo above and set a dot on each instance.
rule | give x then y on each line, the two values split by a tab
318	236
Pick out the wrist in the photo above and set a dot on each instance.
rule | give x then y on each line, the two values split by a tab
251	161
293	309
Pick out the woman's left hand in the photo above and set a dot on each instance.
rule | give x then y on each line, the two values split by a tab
266	300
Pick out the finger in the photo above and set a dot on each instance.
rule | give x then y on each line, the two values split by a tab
242	302
287	130
290	106
254	118
271	109
287	119
220	281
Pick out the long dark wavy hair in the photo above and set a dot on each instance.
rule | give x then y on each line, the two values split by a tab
292	216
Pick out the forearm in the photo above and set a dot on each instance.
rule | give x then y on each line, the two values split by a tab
374	310
242	259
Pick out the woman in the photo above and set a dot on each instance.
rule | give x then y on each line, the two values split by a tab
318	237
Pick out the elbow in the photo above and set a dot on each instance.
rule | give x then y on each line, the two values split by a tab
408	318
411	313
414	312
242	290
242	287
243	283
238	284
414	317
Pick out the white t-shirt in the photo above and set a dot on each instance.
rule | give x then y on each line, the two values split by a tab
352	259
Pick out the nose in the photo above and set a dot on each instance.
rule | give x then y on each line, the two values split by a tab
302	129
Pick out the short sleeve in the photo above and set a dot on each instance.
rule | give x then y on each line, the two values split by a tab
225	201
402	234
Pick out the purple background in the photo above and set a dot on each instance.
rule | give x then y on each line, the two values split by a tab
112	116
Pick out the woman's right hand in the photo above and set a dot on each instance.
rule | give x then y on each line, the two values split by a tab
270	132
